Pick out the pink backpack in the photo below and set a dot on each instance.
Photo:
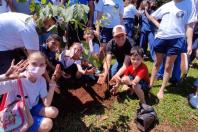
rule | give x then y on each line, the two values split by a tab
15	116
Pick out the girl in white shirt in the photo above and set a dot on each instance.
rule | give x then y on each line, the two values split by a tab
34	87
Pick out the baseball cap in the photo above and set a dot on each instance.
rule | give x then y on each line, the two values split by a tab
119	29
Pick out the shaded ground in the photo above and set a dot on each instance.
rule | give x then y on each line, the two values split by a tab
83	99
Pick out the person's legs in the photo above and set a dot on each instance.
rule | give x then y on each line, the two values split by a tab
49	112
41	116
151	38
46	125
129	25
167	72
143	41
160	72
105	37
176	71
159	46
139	92
158	60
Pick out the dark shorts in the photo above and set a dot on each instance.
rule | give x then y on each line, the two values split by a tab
71	70
6	58
36	117
144	85
170	46
106	35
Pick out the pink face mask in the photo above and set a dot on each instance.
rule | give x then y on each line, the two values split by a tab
36	71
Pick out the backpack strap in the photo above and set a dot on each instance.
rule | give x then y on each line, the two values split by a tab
20	89
3	102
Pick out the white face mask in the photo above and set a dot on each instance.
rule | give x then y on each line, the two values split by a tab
36	71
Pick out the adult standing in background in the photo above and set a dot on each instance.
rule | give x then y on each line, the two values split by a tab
112	12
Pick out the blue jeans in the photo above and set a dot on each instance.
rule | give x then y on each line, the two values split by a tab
145	38
106	35
114	68
129	26
176	73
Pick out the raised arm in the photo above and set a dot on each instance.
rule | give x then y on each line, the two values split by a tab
52	86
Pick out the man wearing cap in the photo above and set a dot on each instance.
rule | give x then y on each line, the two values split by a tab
17	31
119	47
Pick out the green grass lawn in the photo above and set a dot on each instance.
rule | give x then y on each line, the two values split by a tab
173	110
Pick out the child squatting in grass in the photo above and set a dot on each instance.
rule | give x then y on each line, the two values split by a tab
136	75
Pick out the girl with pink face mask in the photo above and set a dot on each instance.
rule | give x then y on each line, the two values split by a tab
34	87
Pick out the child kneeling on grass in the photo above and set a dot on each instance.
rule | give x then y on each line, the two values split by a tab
34	86
136	75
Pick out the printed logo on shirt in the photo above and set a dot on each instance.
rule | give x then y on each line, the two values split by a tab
116	6
180	14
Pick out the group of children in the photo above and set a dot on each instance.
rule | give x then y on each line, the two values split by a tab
62	64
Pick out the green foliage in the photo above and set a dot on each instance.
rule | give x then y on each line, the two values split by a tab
22	1
76	13
94	60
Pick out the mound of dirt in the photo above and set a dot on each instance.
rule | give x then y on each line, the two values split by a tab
80	98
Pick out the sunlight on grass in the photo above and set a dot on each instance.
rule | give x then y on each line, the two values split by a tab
174	108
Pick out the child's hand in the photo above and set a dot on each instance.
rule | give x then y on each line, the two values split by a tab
52	83
114	80
14	70
101	78
90	71
126	80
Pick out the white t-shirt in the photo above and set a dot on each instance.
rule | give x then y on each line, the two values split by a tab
4	7
112	10
94	48
174	18
66	60
33	91
129	11
17	31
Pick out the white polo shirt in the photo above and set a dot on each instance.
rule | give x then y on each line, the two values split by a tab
130	11
174	18
112	10
17	31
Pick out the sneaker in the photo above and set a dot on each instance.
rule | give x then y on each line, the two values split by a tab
194	101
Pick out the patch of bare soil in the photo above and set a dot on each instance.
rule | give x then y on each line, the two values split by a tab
82	97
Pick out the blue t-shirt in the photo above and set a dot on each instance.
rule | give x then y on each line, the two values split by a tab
51	56
146	25
72	2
